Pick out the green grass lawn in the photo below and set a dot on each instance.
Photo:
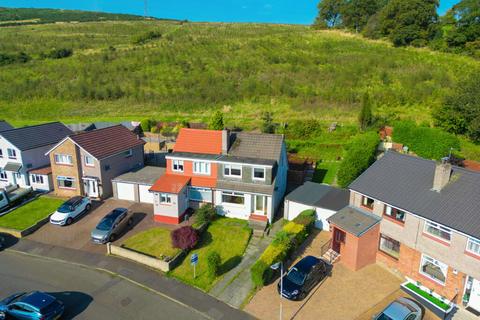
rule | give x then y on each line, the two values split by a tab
325	172
29	214
155	242
228	237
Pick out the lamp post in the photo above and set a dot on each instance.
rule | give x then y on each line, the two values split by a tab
275	267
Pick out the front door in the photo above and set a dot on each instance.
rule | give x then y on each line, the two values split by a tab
474	301
338	238
260	205
91	188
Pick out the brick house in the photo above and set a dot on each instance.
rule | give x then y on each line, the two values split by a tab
85	163
418	217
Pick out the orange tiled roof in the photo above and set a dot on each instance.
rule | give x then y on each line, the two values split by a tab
170	183
43	170
199	141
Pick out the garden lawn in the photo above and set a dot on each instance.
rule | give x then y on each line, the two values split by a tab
29	214
228	237
155	242
325	172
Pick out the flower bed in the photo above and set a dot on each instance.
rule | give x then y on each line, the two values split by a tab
436	303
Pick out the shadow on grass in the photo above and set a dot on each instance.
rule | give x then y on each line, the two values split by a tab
75	302
205	240
229	264
319	175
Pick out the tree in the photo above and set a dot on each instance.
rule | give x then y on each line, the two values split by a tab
267	126
184	238
329	14
365	118
216	123
356	13
213	263
408	22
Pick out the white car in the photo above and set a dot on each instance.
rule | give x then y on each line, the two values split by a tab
70	209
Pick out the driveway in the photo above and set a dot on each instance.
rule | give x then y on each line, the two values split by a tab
77	235
344	295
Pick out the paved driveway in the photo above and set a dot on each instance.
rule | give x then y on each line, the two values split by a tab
77	235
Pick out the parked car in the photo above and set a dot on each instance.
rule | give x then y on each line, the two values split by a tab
302	278
34	305
70	210
12	195
401	309
111	226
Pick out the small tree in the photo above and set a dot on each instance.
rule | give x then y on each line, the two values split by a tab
267	126
216	123
365	117
205	214
184	238
146	125
213	263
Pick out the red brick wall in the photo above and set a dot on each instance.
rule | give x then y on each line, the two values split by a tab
367	247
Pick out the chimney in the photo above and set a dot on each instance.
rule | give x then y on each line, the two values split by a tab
225	141
443	171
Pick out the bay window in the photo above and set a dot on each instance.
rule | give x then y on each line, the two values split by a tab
433	269
437	231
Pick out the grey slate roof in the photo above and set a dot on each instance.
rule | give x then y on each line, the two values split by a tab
406	182
354	220
36	136
245	187
4	126
146	175
320	195
259	161
189	155
255	145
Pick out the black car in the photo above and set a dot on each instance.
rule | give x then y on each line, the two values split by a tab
302	277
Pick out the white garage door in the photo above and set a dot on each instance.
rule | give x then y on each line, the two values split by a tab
145	196
125	191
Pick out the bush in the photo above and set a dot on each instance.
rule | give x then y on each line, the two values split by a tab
216	122
6	58
261	271
184	238
150	35
213	263
146	124
154	129
306	218
282	237
360	154
205	214
297	232
58	53
430	143
302	129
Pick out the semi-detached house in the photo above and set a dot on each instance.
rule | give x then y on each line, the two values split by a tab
243	174
418	217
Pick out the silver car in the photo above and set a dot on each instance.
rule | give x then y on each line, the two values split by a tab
401	309
108	229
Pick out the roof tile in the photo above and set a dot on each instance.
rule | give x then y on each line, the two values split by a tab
199	141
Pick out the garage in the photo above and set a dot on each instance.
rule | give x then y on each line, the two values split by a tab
324	199
135	185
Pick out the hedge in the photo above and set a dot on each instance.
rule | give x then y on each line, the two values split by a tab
360	154
430	143
306	218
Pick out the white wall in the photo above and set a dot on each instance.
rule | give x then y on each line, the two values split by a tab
293	209
175	209
237	210
47	184
280	181
4	145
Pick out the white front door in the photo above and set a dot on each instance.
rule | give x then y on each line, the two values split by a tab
260	204
474	301
91	188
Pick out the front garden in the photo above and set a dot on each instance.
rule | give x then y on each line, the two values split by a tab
154	242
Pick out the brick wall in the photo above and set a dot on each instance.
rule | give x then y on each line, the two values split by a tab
67	148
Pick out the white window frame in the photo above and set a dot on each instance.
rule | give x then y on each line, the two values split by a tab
229	168
441	265
12	154
89	164
67	179
3	175
265	204
176	164
202	167
167	197
264	173
474	242
37	179
128	153
438	227
235	194
63	159
1	153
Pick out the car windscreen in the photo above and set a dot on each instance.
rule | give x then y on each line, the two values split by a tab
65	208
296	276
106	224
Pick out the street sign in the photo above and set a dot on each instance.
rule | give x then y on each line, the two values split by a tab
194	261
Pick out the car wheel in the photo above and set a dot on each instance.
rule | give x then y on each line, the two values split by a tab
69	221
112	237
302	295
88	207
3	315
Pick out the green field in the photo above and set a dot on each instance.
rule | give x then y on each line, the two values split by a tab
29	214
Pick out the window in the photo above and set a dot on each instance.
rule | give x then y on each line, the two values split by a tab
36	178
63	159
12	154
258	173
128	153
233	198
260	204
3	175
232	170
473	246
177	165
394	213
389	246
200	194
66	182
367	202
89	161
1	153
433	269
201	167
438	231
165	198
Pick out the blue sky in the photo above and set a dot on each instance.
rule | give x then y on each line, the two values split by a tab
274	11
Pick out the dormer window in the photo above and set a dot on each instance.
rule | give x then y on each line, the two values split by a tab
177	165
258	173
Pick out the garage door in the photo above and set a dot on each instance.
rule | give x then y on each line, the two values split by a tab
125	191
145	196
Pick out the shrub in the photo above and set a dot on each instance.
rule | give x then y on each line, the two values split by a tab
216	123
213	263
146	125
360	154
281	237
261	271
306	218
58	53
154	129
302	129
184	238
297	232
205	214
150	35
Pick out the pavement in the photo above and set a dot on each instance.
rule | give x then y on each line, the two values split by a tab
87	293
162	285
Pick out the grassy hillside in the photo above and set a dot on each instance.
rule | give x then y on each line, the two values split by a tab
191	69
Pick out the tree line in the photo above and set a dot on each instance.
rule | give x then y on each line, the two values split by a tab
407	22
